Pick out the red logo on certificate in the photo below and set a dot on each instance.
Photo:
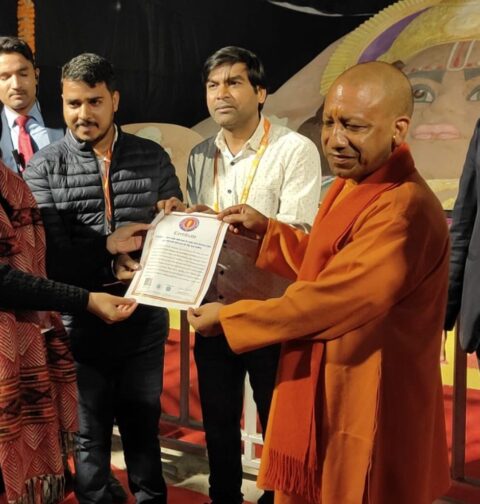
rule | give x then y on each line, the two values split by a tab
189	223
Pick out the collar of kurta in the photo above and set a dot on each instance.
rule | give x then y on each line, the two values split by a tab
334	222
252	143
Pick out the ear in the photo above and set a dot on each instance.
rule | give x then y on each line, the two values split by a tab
261	95
37	74
400	130
116	100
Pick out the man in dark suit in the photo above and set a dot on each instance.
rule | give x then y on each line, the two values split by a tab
464	288
19	106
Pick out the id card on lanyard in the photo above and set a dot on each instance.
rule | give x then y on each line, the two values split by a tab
251	173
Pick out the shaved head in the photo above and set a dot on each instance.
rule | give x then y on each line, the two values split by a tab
366	117
391	83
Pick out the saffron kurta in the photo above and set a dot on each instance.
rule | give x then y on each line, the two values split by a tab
378	307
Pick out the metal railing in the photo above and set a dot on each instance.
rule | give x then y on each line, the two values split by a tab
250	436
459	416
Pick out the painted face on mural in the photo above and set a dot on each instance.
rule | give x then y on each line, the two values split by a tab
446	85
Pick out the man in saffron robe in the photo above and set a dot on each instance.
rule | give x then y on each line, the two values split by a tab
357	414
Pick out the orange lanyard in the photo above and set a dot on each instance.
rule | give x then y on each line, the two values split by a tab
251	173
105	173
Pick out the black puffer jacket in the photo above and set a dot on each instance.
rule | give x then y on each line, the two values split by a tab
66	182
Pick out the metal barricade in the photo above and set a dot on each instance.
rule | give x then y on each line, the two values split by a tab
183	419
250	436
459	416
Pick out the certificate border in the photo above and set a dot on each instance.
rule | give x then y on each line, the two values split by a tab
135	288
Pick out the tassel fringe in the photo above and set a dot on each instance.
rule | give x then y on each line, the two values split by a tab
47	489
291	476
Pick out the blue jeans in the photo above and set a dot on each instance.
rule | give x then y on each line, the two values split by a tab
125	388
221	377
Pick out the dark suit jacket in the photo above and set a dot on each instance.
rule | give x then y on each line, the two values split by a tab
54	127
464	287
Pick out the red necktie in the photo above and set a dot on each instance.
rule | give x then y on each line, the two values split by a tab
24	140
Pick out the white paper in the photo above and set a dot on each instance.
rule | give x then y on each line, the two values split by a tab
178	260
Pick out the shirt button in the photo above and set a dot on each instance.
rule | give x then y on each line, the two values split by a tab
229	191
232	163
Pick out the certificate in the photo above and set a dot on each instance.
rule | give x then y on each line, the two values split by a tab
178	260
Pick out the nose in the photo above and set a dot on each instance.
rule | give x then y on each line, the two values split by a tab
448	106
338	139
15	82
84	111
222	91
442	119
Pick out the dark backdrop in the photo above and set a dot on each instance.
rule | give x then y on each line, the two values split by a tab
8	17
158	46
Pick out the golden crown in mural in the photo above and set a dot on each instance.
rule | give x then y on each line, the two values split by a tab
403	30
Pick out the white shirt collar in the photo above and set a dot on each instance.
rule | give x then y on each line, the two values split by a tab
252	143
34	113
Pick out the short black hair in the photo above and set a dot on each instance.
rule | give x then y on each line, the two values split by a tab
91	69
229	56
10	44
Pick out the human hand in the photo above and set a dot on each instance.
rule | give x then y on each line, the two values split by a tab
171	205
206	319
110	308
125	267
127	238
202	209
244	219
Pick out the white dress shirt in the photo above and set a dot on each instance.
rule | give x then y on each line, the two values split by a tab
287	181
35	127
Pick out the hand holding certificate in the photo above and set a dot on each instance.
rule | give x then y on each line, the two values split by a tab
178	260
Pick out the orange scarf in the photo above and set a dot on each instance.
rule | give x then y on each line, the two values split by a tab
293	443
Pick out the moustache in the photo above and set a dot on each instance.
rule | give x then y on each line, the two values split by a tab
85	123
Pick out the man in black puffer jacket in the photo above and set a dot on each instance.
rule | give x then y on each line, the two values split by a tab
93	180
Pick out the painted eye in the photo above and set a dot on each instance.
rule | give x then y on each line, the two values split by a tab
423	94
474	95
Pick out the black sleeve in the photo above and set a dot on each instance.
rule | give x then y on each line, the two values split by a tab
463	220
78	262
169	185
19	290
